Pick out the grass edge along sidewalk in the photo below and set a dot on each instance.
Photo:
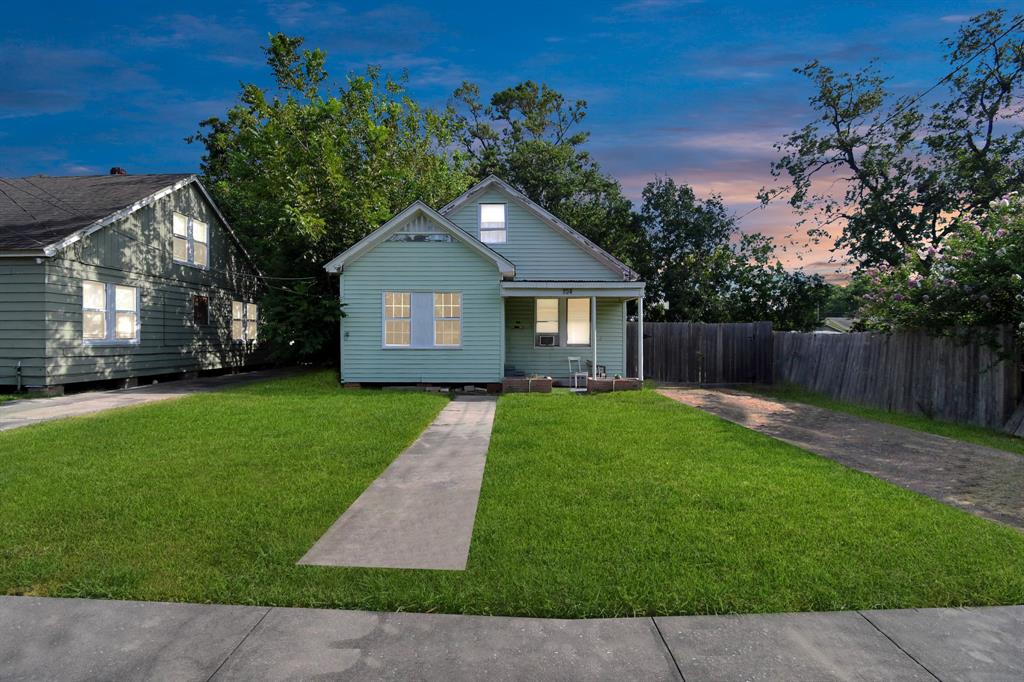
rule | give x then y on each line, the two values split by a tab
612	505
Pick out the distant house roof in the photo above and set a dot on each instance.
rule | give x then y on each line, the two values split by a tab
38	212
836	325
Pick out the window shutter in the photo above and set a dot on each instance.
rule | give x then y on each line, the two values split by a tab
422	319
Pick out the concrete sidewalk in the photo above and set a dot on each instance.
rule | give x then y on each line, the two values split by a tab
34	411
76	639
419	513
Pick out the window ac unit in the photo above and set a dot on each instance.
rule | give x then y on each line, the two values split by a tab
547	339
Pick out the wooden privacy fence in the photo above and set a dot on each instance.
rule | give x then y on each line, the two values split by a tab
908	372
694	352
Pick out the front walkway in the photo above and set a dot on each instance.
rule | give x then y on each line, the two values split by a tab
419	513
977	479
34	411
79	639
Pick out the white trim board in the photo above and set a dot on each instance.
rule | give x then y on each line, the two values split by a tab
367	243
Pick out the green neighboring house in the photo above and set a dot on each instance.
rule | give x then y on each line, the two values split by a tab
489	286
119	277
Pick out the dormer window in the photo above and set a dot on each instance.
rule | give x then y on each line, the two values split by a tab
493	226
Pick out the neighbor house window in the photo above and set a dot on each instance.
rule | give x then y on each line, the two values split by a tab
191	240
244	321
110	313
577	321
251	320
493	228
200	311
397	318
447	319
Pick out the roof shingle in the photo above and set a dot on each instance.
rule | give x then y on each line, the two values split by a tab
41	210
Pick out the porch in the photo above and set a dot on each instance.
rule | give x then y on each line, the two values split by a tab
561	329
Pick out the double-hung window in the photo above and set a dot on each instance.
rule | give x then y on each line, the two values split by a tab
191	241
447	319
577	321
422	319
493	224
110	313
551	318
545	324
397	318
244	321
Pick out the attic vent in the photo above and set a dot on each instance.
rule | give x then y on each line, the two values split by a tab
420	237
117	170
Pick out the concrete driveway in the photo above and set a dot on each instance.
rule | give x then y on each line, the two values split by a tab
24	412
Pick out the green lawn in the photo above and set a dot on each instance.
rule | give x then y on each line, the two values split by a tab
969	434
605	505
6	396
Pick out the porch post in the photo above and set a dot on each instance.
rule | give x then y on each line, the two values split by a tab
640	338
593	330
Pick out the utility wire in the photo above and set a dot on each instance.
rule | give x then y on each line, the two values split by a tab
901	107
71	209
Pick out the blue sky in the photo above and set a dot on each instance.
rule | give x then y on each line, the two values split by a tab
695	90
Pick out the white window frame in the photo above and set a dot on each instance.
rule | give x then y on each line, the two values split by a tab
250	315
190	241
385	318
110	312
503	230
557	320
590	323
447	318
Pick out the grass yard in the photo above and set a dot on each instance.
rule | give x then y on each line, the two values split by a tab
4	397
607	505
969	434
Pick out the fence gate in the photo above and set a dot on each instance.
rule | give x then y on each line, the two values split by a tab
699	353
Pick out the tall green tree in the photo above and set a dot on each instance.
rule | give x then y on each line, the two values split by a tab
704	269
529	135
303	171
912	175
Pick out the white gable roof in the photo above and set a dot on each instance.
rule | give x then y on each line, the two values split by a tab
595	251
409	218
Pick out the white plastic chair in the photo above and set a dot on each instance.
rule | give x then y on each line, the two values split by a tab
576	371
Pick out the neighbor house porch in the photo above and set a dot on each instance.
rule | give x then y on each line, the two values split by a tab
558	328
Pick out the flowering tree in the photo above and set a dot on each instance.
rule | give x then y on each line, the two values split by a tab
974	281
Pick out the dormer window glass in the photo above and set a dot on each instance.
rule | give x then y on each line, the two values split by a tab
493	224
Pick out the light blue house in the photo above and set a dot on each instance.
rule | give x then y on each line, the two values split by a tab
489	286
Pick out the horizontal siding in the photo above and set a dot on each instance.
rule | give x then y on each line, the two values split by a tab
521	353
421	266
538	251
22	321
136	251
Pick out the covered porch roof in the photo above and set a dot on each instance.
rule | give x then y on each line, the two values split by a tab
558	288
